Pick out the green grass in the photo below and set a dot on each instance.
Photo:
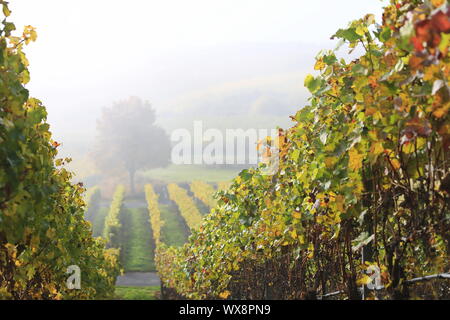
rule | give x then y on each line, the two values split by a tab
187	173
172	232
138	247
137	293
98	222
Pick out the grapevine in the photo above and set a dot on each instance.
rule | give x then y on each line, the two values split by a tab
112	232
154	212
42	226
186	204
204	192
363	177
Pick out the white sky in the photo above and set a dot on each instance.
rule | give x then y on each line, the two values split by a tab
90	53
162	24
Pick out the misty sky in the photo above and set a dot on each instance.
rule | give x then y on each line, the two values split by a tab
90	53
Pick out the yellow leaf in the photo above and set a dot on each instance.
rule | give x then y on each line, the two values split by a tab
6	10
12	250
439	113
51	288
301	238
360	30
225	294
29	34
363	280
296	215
412	146
311	251
355	160
373	134
294	234
258	145
437	3
320	219
340	203
395	164
378	115
330	161
430	72
319	64
377	148
370	111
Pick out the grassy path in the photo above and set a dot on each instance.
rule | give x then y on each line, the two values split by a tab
174	230
138	247
138	279
137	293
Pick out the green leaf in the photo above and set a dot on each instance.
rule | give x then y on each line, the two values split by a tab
330	59
385	34
9	27
245	175
313	84
348	34
6	10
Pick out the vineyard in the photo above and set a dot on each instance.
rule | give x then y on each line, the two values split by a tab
204	192
112	231
362	184
154	212
361	192
42	226
137	232
186	205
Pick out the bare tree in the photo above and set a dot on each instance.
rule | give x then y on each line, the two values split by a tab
128	139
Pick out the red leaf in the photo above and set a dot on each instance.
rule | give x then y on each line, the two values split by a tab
423	34
441	22
417	43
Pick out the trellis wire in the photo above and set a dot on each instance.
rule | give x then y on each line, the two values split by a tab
414	280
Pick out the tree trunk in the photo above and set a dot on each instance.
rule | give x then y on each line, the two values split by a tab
132	172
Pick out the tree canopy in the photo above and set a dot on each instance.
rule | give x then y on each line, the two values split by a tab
129	139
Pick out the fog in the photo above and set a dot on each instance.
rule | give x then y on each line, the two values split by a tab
189	59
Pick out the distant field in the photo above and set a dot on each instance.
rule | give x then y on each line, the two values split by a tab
187	173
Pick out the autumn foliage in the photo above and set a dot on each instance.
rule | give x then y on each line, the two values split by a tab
42	226
363	179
